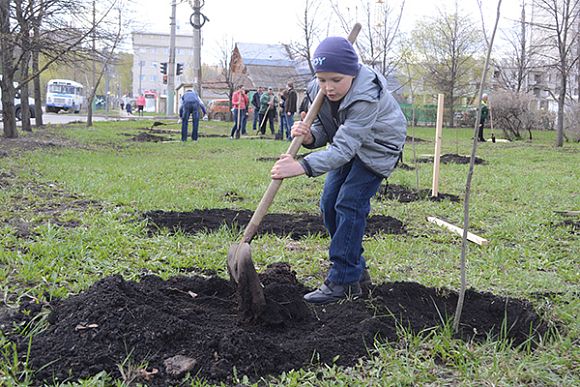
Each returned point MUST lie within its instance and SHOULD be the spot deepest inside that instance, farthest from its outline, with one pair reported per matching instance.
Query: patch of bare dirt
(148, 137)
(40, 138)
(155, 331)
(294, 225)
(406, 195)
(452, 158)
(36, 204)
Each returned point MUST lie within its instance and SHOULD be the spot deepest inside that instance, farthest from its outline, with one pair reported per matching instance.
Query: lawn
(72, 210)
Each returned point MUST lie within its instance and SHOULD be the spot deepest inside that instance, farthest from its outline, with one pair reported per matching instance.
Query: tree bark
(7, 45)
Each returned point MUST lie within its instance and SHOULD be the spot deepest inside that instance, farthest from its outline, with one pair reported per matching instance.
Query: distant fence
(426, 115)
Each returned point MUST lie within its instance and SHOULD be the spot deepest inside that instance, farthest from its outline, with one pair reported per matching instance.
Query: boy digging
(365, 131)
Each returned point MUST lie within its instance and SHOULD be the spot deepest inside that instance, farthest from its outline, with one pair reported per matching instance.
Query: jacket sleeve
(346, 142)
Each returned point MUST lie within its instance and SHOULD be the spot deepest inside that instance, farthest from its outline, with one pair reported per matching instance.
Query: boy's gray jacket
(371, 126)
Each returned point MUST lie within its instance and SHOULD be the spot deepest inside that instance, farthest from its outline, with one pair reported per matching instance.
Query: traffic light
(165, 79)
(164, 68)
(179, 69)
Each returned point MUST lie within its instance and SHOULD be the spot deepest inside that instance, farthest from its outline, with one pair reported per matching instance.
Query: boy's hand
(301, 129)
(285, 167)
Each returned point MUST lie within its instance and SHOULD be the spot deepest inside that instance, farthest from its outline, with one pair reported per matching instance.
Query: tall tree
(7, 45)
(379, 42)
(447, 46)
(557, 24)
(302, 50)
(513, 71)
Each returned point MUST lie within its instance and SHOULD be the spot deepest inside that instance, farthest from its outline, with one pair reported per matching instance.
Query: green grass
(512, 204)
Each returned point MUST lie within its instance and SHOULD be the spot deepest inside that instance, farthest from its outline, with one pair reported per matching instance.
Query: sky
(277, 21)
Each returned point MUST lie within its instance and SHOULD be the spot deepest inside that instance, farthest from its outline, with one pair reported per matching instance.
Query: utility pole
(171, 65)
(196, 22)
(196, 48)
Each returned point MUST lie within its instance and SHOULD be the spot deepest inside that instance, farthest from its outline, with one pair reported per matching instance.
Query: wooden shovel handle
(268, 198)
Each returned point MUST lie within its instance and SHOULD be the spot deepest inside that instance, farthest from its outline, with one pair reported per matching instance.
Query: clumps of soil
(416, 139)
(233, 196)
(405, 167)
(40, 138)
(210, 135)
(406, 195)
(574, 225)
(156, 331)
(452, 158)
(148, 137)
(41, 203)
(296, 226)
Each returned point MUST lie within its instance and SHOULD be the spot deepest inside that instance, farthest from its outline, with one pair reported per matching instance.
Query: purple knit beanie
(335, 55)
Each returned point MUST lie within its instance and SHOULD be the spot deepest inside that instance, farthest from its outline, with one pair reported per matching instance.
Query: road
(53, 118)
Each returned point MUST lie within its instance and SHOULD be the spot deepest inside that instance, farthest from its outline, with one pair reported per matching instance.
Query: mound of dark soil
(157, 331)
(294, 225)
(406, 195)
(148, 137)
(452, 158)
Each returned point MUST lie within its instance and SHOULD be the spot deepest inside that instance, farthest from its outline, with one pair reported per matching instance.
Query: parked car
(17, 107)
(218, 109)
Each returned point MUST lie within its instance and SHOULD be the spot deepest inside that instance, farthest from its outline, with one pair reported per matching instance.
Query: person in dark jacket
(190, 105)
(364, 130)
(256, 104)
(268, 103)
(483, 118)
(290, 108)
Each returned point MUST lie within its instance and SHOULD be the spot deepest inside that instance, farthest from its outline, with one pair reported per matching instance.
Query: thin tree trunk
(6, 47)
(463, 269)
(24, 23)
(35, 62)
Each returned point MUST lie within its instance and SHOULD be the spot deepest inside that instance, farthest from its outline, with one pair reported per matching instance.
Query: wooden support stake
(437, 157)
(471, 237)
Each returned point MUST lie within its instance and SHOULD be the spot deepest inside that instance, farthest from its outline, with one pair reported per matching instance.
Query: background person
(256, 105)
(268, 103)
(140, 104)
(365, 131)
(240, 104)
(290, 108)
(483, 118)
(191, 103)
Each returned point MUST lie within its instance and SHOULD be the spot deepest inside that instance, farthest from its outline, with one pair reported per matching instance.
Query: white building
(152, 49)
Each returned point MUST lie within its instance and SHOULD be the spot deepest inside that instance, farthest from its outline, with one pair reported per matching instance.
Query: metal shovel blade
(243, 273)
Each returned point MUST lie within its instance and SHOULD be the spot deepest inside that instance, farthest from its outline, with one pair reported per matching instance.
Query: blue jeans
(283, 122)
(289, 123)
(243, 119)
(345, 205)
(256, 121)
(188, 109)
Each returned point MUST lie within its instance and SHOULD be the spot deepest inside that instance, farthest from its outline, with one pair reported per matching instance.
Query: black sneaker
(331, 292)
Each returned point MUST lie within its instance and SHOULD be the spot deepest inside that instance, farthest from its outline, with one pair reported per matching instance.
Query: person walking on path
(240, 104)
(256, 105)
(129, 108)
(364, 130)
(483, 118)
(191, 104)
(268, 103)
(140, 104)
(290, 108)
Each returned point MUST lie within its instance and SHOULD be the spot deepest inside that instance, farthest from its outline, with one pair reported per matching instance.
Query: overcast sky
(276, 21)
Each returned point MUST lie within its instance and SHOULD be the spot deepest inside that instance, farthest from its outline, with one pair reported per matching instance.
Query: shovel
(240, 266)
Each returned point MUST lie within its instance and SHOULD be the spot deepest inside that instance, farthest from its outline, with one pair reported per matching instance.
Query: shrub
(572, 122)
(513, 114)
